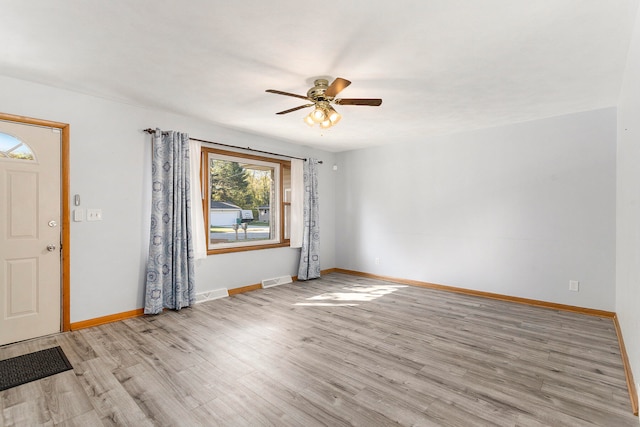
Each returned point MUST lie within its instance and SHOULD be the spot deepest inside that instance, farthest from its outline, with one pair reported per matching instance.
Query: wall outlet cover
(94, 214)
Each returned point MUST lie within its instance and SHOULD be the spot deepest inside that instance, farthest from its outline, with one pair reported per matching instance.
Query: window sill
(247, 248)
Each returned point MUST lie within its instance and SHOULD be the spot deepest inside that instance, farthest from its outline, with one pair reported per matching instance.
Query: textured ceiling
(440, 66)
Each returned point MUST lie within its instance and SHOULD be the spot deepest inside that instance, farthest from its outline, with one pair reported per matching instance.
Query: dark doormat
(33, 366)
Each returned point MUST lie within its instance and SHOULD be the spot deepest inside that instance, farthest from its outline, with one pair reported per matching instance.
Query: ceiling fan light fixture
(334, 116)
(321, 96)
(318, 115)
(309, 120)
(326, 124)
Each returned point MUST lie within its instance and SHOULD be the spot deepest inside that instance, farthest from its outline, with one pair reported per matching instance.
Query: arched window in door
(13, 148)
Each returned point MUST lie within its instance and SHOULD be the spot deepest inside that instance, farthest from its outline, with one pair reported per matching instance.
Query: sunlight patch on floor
(352, 295)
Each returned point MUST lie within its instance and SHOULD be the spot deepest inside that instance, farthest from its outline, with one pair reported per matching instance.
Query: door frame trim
(65, 262)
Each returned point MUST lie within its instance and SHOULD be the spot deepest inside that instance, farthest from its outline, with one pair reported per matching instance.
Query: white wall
(110, 169)
(518, 210)
(628, 206)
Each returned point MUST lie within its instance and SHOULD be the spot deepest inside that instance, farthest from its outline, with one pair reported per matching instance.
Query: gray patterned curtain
(170, 267)
(309, 267)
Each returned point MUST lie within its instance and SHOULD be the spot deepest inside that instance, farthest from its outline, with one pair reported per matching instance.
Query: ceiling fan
(321, 96)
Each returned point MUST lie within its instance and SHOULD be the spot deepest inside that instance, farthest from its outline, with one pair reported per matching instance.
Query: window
(12, 148)
(247, 201)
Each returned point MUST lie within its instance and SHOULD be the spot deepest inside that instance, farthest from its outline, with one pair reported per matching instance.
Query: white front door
(30, 231)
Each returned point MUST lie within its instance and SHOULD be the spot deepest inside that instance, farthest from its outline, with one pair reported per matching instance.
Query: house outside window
(245, 207)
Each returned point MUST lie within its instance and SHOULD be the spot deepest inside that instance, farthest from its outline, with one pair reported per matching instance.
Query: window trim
(206, 199)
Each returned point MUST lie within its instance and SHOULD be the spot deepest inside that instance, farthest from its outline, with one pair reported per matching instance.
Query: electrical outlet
(377, 261)
(574, 285)
(94, 214)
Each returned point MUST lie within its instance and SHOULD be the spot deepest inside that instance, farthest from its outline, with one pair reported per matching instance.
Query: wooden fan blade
(337, 86)
(358, 101)
(279, 92)
(295, 109)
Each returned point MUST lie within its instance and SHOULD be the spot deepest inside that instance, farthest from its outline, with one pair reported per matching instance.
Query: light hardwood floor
(341, 350)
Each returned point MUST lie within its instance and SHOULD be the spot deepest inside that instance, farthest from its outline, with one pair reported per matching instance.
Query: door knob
(52, 223)
(51, 248)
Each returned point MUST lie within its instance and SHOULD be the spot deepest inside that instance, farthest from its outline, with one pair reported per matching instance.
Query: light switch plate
(78, 215)
(574, 285)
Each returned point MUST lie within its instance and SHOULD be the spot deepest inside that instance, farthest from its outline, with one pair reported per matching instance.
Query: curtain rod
(149, 130)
